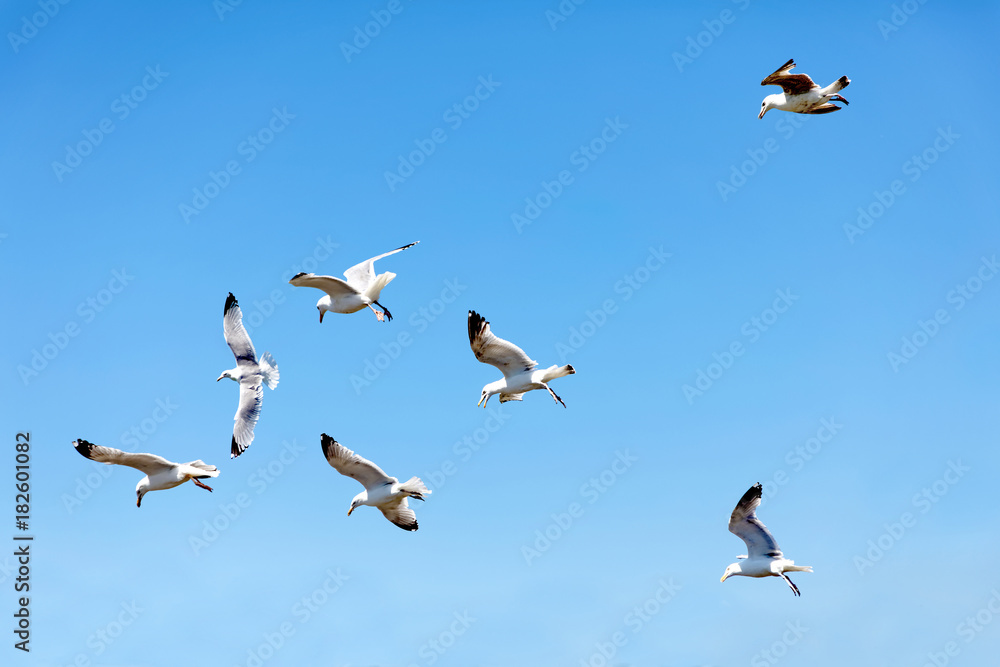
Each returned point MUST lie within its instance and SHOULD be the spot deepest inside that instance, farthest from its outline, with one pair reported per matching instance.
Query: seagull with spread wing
(519, 371)
(381, 491)
(250, 373)
(361, 289)
(160, 473)
(764, 557)
(801, 94)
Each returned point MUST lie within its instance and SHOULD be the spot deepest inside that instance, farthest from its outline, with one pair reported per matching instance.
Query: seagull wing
(236, 334)
(495, 351)
(744, 524)
(823, 108)
(350, 464)
(150, 464)
(792, 84)
(247, 414)
(400, 514)
(335, 287)
(360, 276)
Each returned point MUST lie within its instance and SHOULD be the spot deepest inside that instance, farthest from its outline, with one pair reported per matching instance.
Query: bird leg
(197, 483)
(839, 98)
(795, 589)
(555, 396)
(378, 313)
(388, 315)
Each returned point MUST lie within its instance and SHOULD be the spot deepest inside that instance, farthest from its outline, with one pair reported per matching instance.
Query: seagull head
(140, 490)
(225, 374)
(770, 102)
(484, 399)
(732, 569)
(324, 304)
(355, 504)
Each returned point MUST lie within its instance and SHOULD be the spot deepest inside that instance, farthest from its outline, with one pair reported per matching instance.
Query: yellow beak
(349, 511)
(723, 577)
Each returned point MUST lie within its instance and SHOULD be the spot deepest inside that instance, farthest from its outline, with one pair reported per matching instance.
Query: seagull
(801, 94)
(362, 287)
(519, 374)
(381, 491)
(160, 473)
(764, 557)
(249, 372)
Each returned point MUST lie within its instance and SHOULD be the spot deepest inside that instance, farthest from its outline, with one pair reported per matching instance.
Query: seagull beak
(723, 577)
(349, 511)
(762, 112)
(138, 501)
(321, 316)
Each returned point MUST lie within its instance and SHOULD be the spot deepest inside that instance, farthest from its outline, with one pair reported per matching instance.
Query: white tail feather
(414, 487)
(553, 372)
(268, 370)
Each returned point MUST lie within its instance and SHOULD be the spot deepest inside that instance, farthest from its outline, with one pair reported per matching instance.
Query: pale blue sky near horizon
(802, 301)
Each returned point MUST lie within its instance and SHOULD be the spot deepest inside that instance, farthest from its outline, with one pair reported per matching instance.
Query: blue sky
(805, 302)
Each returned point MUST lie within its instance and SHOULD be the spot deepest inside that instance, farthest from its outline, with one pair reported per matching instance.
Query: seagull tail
(799, 568)
(210, 471)
(553, 372)
(269, 370)
(415, 488)
(377, 285)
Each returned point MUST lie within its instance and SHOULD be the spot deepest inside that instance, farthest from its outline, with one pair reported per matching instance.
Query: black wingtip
(297, 275)
(83, 447)
(230, 303)
(328, 443)
(753, 493)
(236, 449)
(476, 323)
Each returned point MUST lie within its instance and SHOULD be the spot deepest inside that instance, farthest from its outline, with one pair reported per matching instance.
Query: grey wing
(400, 514)
(361, 275)
(744, 524)
(351, 465)
(792, 84)
(236, 334)
(493, 350)
(147, 463)
(247, 414)
(335, 287)
(823, 108)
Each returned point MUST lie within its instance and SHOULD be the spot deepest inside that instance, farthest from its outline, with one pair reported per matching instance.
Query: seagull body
(361, 289)
(520, 374)
(764, 557)
(249, 373)
(381, 491)
(801, 94)
(160, 473)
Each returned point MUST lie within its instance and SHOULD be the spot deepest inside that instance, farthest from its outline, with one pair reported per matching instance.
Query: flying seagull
(764, 557)
(362, 287)
(249, 372)
(519, 374)
(381, 491)
(801, 94)
(160, 473)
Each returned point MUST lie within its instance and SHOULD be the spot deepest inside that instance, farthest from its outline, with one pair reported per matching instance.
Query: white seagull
(381, 491)
(361, 289)
(519, 374)
(801, 94)
(764, 557)
(160, 473)
(249, 372)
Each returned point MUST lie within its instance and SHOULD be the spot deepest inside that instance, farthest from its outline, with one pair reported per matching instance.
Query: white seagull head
(733, 568)
(489, 390)
(140, 490)
(225, 374)
(324, 304)
(358, 501)
(770, 102)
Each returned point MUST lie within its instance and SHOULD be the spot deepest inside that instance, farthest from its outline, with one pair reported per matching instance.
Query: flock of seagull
(362, 289)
